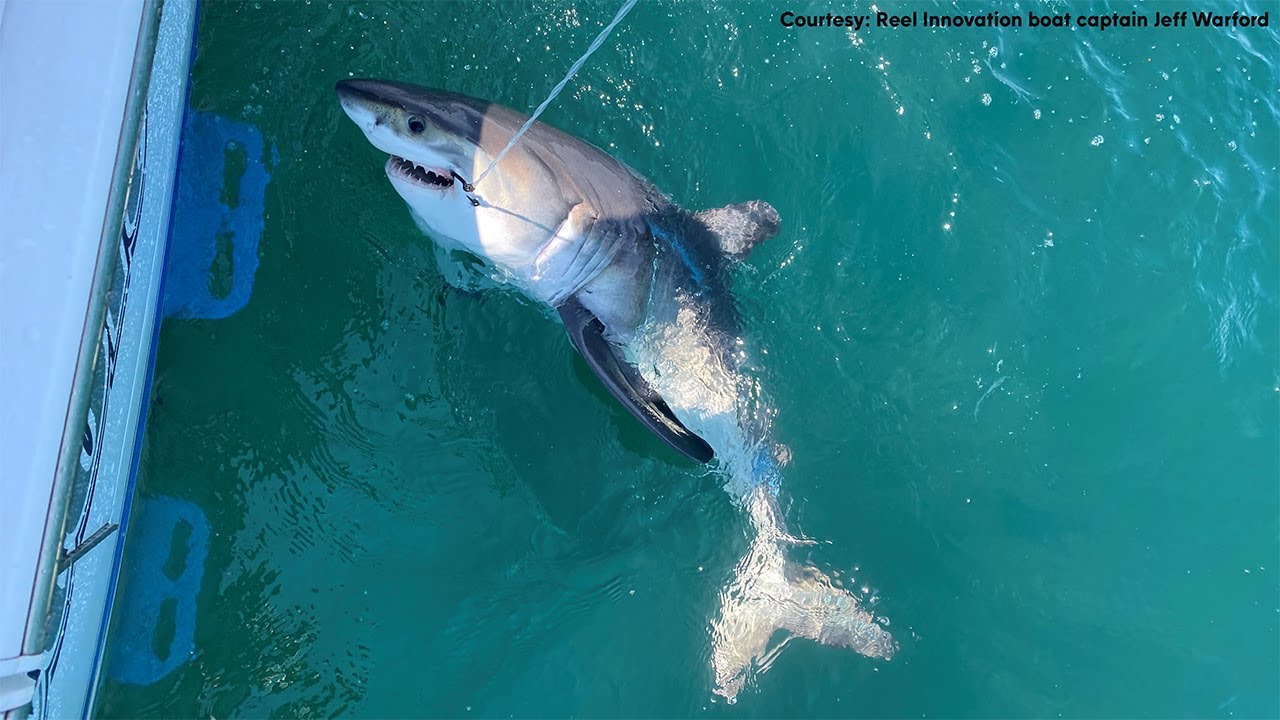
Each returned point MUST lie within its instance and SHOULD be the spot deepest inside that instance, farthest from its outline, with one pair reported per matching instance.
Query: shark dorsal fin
(741, 226)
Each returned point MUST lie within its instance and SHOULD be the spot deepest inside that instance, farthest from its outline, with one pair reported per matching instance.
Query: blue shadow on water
(157, 609)
(217, 218)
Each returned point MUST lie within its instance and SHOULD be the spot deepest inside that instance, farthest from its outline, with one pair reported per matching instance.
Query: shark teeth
(419, 173)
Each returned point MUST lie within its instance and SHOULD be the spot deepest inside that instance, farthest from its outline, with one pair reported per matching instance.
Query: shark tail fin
(741, 226)
(769, 594)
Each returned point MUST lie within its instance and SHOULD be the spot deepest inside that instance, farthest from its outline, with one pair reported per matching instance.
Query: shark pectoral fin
(742, 226)
(626, 384)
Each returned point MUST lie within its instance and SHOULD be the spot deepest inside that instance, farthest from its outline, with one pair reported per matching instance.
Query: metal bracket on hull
(67, 559)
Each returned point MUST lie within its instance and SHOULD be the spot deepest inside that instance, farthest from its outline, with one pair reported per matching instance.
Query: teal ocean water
(1020, 328)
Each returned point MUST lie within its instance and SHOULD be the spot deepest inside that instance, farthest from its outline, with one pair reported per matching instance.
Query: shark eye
(416, 124)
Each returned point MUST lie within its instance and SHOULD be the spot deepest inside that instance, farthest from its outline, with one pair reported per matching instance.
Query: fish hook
(468, 187)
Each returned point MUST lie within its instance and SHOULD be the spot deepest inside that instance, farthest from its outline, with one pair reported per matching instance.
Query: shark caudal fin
(768, 594)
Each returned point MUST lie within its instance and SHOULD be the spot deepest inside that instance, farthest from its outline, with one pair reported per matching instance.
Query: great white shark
(641, 287)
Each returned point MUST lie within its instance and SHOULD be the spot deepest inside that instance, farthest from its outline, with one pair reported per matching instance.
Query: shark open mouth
(419, 174)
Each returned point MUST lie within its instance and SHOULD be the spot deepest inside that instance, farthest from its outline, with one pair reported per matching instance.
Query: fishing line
(573, 70)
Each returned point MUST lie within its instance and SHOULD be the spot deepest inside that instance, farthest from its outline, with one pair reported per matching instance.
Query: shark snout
(359, 103)
(358, 92)
(361, 87)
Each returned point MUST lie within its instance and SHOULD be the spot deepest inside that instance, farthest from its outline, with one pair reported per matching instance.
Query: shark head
(433, 138)
(429, 134)
(549, 217)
